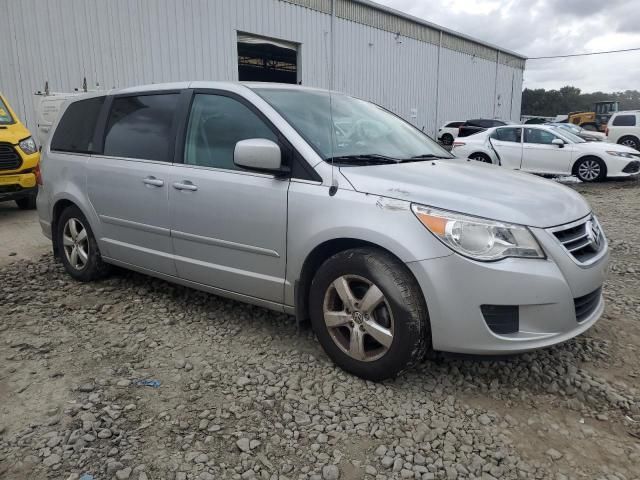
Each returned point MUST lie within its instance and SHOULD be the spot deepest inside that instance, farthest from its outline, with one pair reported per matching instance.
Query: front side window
(535, 135)
(142, 127)
(76, 128)
(5, 116)
(624, 121)
(216, 124)
(340, 126)
(507, 134)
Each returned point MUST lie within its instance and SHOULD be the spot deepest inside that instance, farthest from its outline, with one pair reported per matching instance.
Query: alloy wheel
(75, 241)
(589, 170)
(358, 318)
(481, 158)
(630, 142)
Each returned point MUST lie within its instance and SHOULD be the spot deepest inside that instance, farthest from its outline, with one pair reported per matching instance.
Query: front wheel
(447, 139)
(369, 313)
(590, 169)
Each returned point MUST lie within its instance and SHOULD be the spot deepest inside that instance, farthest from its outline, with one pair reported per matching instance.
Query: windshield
(5, 116)
(362, 131)
(570, 127)
(568, 135)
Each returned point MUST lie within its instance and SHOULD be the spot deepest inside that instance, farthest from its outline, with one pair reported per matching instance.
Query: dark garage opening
(265, 60)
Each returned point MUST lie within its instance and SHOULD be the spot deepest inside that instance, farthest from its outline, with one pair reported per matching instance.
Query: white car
(624, 128)
(449, 132)
(550, 151)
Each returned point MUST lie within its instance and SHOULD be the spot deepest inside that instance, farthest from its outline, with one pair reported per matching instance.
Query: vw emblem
(593, 235)
(357, 317)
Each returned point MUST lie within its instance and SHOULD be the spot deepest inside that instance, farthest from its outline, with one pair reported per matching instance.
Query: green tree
(548, 103)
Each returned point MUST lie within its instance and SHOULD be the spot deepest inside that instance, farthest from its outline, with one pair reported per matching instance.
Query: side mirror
(258, 154)
(558, 141)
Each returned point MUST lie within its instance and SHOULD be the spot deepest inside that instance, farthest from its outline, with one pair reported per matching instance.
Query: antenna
(84, 84)
(46, 87)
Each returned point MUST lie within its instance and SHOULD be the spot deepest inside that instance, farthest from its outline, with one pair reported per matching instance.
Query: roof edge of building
(420, 21)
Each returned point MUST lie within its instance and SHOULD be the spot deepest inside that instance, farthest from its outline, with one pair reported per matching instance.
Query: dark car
(478, 125)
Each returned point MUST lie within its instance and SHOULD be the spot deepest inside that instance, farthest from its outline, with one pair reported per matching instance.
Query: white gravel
(244, 395)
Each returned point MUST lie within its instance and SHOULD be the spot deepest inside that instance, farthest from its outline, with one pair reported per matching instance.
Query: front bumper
(545, 292)
(17, 186)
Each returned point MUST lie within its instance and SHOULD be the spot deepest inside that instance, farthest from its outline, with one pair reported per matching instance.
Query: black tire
(630, 141)
(26, 203)
(447, 139)
(94, 268)
(402, 299)
(590, 169)
(480, 157)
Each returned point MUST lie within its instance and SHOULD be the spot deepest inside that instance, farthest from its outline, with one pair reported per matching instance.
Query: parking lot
(241, 393)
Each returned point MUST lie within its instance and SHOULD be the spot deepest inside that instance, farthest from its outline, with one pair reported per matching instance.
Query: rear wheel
(368, 313)
(447, 139)
(590, 169)
(26, 203)
(480, 157)
(78, 247)
(630, 141)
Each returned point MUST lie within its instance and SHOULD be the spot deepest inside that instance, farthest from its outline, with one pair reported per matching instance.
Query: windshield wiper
(366, 159)
(426, 156)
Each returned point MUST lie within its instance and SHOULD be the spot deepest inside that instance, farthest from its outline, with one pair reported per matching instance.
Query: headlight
(28, 146)
(621, 154)
(479, 238)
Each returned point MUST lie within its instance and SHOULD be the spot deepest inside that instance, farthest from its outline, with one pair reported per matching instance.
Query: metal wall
(118, 43)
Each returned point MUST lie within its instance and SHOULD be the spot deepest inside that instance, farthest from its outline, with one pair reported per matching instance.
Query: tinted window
(216, 124)
(533, 135)
(77, 125)
(454, 125)
(141, 127)
(624, 121)
(497, 123)
(508, 134)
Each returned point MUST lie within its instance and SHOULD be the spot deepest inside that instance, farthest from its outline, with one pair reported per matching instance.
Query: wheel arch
(574, 168)
(317, 257)
(59, 206)
(631, 136)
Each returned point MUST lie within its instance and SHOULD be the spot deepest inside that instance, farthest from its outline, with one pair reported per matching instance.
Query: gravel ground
(243, 394)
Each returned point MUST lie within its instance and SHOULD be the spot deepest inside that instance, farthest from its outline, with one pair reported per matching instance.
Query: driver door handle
(185, 185)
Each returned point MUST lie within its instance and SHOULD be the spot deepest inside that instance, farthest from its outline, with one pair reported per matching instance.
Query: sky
(549, 27)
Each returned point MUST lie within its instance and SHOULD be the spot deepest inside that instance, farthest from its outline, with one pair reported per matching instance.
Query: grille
(583, 240)
(9, 158)
(501, 319)
(587, 304)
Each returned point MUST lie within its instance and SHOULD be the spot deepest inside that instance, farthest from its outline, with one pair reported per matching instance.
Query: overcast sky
(549, 27)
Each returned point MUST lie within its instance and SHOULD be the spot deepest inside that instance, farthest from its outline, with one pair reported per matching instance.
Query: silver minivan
(326, 207)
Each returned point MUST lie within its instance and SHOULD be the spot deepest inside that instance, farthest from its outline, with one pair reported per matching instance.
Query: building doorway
(265, 60)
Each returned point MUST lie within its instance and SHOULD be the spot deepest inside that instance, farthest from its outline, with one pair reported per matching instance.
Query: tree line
(548, 103)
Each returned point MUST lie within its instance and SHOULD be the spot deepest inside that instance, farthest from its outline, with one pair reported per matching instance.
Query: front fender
(382, 221)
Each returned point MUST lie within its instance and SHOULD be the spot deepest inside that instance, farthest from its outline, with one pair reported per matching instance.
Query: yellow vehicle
(597, 119)
(19, 160)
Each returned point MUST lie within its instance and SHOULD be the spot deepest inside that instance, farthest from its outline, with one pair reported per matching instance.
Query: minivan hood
(473, 188)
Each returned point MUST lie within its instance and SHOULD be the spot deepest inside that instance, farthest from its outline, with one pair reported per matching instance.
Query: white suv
(624, 128)
(449, 132)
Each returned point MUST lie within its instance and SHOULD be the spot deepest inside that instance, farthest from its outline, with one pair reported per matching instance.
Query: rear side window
(508, 134)
(142, 127)
(454, 125)
(77, 126)
(624, 121)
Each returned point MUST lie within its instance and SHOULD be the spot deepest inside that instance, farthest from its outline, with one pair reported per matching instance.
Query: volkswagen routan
(326, 207)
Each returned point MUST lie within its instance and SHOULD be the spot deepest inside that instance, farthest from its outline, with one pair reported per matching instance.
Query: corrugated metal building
(423, 72)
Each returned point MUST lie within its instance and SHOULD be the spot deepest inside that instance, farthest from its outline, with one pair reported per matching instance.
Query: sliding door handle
(186, 185)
